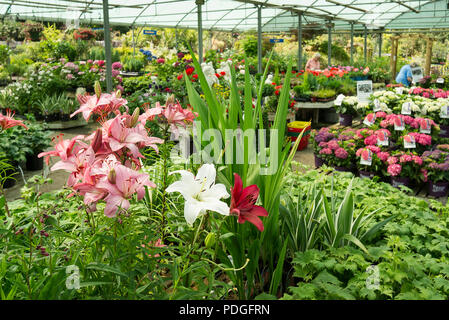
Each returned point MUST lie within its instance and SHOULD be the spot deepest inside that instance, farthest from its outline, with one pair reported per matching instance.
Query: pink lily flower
(122, 184)
(7, 121)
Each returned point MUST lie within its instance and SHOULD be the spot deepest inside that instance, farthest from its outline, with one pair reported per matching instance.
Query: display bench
(315, 107)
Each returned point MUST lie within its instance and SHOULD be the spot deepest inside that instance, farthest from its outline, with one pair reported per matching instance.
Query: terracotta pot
(438, 189)
(401, 181)
(318, 161)
(345, 119)
(366, 174)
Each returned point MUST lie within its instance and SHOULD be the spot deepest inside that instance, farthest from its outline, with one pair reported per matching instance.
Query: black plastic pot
(33, 163)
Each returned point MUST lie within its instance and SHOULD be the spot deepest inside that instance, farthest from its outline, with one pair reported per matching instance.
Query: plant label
(399, 90)
(406, 108)
(364, 90)
(440, 80)
(376, 105)
(339, 99)
(409, 142)
(370, 119)
(399, 124)
(425, 126)
(417, 74)
(382, 139)
(444, 112)
(367, 157)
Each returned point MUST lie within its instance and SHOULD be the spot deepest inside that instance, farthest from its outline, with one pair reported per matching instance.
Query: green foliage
(133, 64)
(410, 252)
(338, 53)
(250, 46)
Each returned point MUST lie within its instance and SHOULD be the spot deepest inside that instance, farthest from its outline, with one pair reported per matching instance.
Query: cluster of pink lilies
(105, 165)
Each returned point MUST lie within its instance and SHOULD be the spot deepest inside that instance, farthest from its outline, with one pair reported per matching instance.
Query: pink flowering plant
(105, 166)
(378, 160)
(406, 164)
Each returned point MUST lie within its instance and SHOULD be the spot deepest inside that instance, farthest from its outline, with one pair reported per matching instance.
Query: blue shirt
(404, 73)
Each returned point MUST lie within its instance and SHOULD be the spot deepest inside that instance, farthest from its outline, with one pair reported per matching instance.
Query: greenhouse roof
(240, 15)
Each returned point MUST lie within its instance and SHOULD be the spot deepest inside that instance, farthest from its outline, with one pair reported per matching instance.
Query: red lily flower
(242, 203)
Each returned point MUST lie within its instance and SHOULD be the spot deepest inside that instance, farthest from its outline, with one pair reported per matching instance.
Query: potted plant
(405, 169)
(323, 95)
(13, 150)
(301, 94)
(8, 172)
(36, 139)
(319, 141)
(339, 154)
(346, 110)
(33, 30)
(370, 163)
(436, 165)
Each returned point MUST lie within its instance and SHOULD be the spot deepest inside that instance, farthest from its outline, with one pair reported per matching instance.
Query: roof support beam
(259, 38)
(199, 4)
(299, 42)
(406, 5)
(347, 6)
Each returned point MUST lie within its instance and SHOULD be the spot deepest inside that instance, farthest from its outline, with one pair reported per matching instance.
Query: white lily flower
(200, 193)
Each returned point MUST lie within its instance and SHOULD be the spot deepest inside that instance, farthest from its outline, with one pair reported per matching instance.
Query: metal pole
(380, 44)
(176, 39)
(365, 46)
(199, 3)
(352, 43)
(329, 43)
(299, 42)
(259, 39)
(134, 44)
(107, 45)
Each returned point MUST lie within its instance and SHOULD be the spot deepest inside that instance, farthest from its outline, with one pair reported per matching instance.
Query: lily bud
(170, 100)
(111, 176)
(135, 118)
(97, 141)
(118, 94)
(210, 240)
(97, 87)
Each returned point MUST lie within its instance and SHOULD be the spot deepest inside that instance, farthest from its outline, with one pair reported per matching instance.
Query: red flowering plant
(84, 34)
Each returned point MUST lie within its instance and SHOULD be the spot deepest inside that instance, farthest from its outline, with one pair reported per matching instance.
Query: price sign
(367, 157)
(409, 142)
(406, 108)
(376, 105)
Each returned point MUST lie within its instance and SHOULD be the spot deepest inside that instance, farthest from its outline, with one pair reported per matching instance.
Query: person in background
(405, 74)
(314, 62)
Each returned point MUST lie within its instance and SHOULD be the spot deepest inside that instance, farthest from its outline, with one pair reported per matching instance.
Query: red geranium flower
(276, 92)
(190, 70)
(179, 77)
(242, 203)
(223, 73)
(195, 76)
